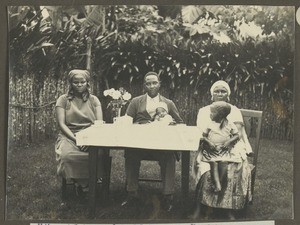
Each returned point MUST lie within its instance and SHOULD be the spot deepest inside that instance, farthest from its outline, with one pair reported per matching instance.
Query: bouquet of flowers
(119, 99)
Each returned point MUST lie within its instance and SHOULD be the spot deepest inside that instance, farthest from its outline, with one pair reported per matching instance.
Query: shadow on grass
(34, 190)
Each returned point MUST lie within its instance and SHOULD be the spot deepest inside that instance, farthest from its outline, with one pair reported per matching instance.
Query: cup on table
(99, 122)
(123, 120)
(181, 124)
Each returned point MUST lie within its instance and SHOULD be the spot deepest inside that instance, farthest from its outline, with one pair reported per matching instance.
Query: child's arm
(210, 146)
(205, 139)
(232, 140)
(168, 119)
(235, 136)
(155, 117)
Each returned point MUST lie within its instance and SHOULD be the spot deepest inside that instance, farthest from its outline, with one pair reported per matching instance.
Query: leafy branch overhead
(251, 47)
(203, 47)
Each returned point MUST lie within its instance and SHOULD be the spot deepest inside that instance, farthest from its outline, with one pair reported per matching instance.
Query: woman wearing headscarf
(236, 189)
(75, 110)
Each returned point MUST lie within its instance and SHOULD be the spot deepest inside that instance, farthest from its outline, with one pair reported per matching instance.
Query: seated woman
(217, 138)
(235, 187)
(76, 110)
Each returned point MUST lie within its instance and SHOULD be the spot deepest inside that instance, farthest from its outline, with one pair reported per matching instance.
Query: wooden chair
(69, 182)
(184, 158)
(155, 179)
(148, 179)
(253, 123)
(104, 182)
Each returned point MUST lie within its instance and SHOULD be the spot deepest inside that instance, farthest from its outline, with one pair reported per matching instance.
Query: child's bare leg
(222, 171)
(215, 174)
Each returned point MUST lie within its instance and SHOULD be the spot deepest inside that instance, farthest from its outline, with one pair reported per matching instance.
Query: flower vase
(117, 114)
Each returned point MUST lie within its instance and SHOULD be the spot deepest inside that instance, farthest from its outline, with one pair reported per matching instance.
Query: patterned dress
(236, 190)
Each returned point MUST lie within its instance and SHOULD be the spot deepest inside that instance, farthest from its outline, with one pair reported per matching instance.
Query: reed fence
(31, 116)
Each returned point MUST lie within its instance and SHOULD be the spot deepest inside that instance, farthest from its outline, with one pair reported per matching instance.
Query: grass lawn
(34, 191)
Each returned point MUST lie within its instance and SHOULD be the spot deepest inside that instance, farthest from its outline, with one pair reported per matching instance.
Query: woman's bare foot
(195, 214)
(208, 213)
(230, 215)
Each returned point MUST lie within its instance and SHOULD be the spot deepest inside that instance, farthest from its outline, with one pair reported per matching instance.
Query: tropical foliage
(251, 47)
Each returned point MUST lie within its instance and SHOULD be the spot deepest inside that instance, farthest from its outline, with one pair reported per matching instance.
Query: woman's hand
(207, 143)
(250, 154)
(206, 154)
(219, 148)
(208, 147)
(226, 144)
(60, 117)
(213, 150)
(83, 148)
(224, 150)
(225, 147)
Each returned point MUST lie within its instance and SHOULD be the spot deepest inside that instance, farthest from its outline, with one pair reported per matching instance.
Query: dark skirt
(71, 162)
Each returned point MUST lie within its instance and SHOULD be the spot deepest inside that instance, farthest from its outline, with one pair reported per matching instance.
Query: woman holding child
(221, 169)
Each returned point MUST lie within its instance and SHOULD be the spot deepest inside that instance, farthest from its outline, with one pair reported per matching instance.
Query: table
(148, 136)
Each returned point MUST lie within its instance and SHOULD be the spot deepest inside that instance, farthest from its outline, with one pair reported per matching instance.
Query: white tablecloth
(146, 136)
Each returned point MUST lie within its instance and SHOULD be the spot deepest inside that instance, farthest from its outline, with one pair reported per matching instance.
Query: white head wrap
(220, 83)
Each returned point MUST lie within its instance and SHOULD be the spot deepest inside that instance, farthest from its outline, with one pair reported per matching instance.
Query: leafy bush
(251, 47)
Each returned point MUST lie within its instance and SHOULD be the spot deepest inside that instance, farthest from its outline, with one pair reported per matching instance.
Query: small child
(162, 115)
(218, 137)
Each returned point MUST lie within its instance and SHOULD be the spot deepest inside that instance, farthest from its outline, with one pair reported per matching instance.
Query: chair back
(253, 123)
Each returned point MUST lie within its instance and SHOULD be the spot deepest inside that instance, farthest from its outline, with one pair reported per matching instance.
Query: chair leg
(185, 167)
(243, 213)
(106, 178)
(64, 189)
(253, 181)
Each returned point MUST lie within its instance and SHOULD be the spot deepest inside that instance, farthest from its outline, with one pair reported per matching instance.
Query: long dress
(71, 162)
(236, 190)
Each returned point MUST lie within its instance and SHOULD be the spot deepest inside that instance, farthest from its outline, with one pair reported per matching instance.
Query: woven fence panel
(32, 112)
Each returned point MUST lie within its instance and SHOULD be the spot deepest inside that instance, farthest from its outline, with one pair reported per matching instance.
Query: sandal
(99, 180)
(85, 189)
(78, 190)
